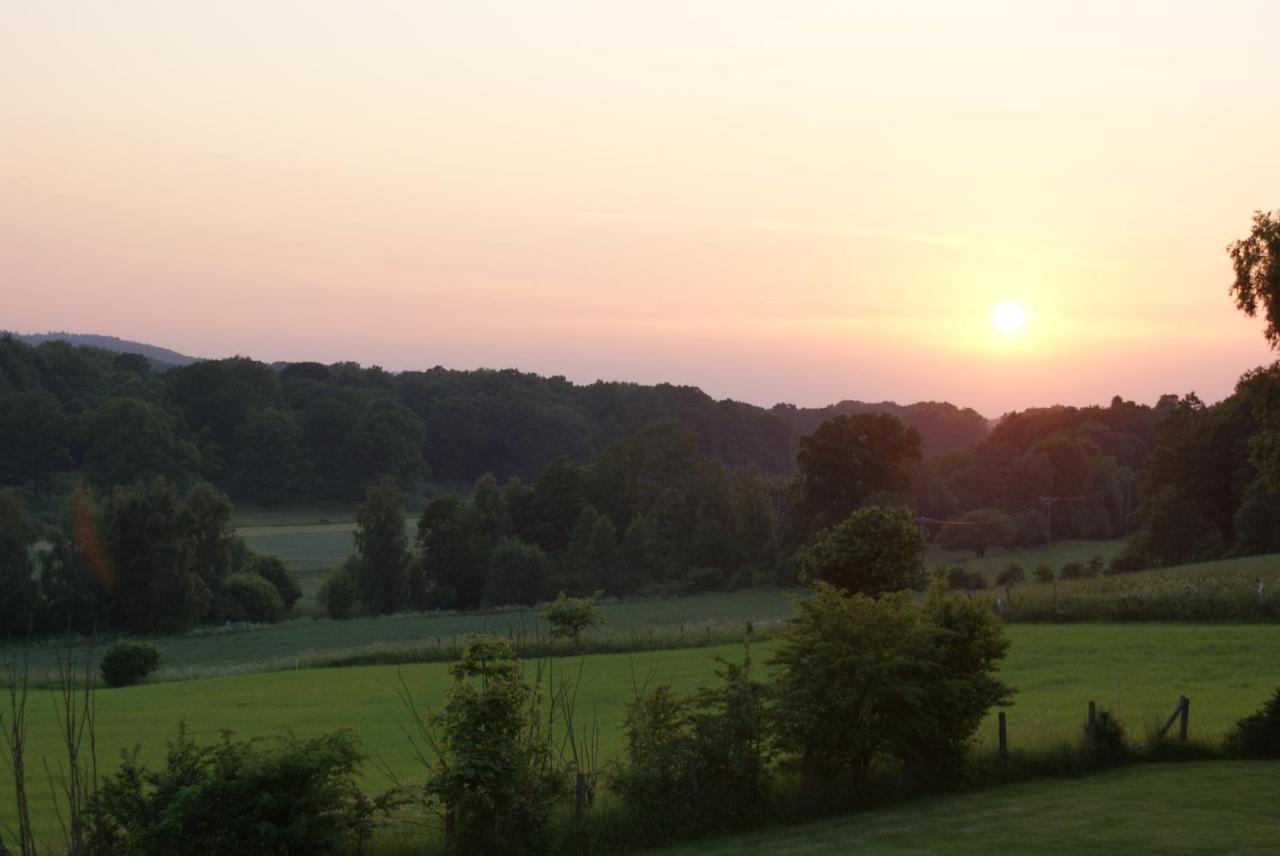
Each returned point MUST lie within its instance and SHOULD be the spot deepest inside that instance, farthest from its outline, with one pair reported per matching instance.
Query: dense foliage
(283, 796)
(127, 662)
(274, 434)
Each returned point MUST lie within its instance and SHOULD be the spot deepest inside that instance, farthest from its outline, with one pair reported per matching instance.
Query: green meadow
(1211, 808)
(1140, 670)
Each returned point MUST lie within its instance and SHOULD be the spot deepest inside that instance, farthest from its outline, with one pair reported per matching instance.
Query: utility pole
(1048, 514)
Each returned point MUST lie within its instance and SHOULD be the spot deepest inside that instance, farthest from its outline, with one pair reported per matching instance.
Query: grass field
(280, 646)
(1227, 671)
(1056, 555)
(1224, 574)
(1210, 808)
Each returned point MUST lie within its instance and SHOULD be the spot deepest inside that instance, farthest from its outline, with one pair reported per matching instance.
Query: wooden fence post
(1092, 723)
(1182, 724)
(1004, 735)
(581, 804)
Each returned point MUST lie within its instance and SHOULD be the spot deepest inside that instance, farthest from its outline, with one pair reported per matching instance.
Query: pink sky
(774, 201)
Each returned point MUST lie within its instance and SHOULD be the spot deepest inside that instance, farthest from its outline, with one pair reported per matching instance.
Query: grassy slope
(1229, 574)
(1227, 671)
(1220, 807)
(1055, 555)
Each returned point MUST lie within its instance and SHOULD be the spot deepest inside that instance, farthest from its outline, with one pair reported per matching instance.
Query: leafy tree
(18, 535)
(1256, 260)
(339, 592)
(273, 570)
(382, 547)
(1012, 575)
(859, 678)
(127, 440)
(1045, 573)
(269, 466)
(153, 586)
(34, 436)
(491, 763)
(979, 530)
(517, 574)
(591, 559)
(849, 460)
(569, 617)
(207, 521)
(454, 554)
(1258, 521)
(387, 442)
(874, 551)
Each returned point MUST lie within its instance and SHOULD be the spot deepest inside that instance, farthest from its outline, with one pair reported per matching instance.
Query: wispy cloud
(958, 243)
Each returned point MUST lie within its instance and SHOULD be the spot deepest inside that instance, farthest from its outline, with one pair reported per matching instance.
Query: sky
(787, 201)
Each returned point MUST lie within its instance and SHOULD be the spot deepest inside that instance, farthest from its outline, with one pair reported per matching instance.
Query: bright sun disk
(1009, 317)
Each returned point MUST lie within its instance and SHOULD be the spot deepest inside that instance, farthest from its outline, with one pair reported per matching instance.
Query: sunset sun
(1009, 317)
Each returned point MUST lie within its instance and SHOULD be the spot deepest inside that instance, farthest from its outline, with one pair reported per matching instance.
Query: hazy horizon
(770, 203)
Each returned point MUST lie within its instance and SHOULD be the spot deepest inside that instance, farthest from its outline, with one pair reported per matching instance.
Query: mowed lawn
(1211, 808)
(1227, 671)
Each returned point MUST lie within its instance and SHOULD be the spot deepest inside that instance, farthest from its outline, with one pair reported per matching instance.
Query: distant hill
(157, 356)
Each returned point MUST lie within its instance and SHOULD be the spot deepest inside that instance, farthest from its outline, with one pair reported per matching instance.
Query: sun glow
(1009, 317)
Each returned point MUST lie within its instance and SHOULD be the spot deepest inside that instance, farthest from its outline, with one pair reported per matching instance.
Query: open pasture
(1209, 808)
(997, 559)
(289, 645)
(1227, 671)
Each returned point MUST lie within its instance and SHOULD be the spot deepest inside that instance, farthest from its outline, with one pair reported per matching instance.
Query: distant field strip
(1209, 808)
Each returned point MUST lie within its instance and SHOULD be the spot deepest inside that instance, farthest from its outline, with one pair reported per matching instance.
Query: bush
(1072, 571)
(1045, 574)
(570, 616)
(1012, 575)
(1095, 566)
(282, 796)
(958, 579)
(1106, 745)
(1258, 735)
(339, 593)
(249, 597)
(274, 571)
(489, 758)
(125, 663)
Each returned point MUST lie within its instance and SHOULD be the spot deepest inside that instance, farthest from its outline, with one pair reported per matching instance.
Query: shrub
(1044, 573)
(857, 679)
(1072, 571)
(1094, 566)
(958, 579)
(249, 597)
(489, 756)
(339, 593)
(1106, 743)
(570, 616)
(274, 571)
(1012, 575)
(1258, 735)
(283, 796)
(125, 663)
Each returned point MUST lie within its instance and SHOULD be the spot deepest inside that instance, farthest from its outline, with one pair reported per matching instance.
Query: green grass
(1227, 671)
(1226, 575)
(1211, 808)
(214, 651)
(1056, 555)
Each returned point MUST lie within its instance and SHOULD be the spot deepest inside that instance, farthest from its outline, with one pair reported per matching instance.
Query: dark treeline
(305, 431)
(1082, 461)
